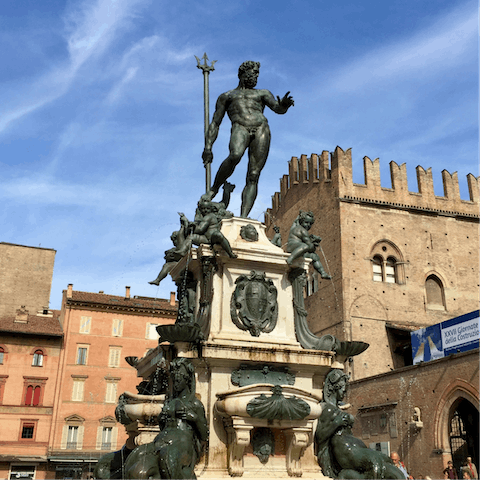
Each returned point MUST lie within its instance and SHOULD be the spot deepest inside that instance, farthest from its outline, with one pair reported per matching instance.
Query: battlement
(335, 170)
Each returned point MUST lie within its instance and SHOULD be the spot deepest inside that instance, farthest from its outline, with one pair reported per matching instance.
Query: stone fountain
(235, 387)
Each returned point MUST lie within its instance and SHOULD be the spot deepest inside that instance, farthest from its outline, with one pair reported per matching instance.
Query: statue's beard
(249, 81)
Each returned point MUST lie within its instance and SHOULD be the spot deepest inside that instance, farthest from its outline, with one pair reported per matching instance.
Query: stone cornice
(410, 208)
(147, 311)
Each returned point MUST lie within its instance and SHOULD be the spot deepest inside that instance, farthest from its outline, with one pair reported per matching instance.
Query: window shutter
(81, 429)
(85, 324)
(117, 329)
(114, 437)
(98, 445)
(77, 391)
(81, 386)
(111, 393)
(114, 357)
(36, 396)
(28, 396)
(63, 442)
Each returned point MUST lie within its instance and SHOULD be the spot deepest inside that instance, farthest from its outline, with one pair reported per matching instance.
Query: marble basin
(142, 407)
(234, 402)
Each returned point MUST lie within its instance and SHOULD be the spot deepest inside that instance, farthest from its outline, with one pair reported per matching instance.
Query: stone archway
(463, 432)
(456, 423)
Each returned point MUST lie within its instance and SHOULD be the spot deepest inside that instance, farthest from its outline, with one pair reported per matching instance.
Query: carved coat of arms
(253, 305)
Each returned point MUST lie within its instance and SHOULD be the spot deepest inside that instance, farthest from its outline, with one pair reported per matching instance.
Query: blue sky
(101, 125)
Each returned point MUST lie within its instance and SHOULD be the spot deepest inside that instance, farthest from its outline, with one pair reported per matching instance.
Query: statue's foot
(326, 276)
(228, 187)
(289, 260)
(155, 282)
(209, 195)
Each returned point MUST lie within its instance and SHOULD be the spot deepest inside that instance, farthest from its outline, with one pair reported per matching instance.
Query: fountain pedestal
(261, 389)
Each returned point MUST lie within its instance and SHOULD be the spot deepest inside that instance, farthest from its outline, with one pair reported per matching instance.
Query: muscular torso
(246, 106)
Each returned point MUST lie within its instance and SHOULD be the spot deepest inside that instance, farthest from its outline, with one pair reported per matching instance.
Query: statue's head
(205, 205)
(276, 229)
(183, 374)
(306, 219)
(335, 386)
(248, 73)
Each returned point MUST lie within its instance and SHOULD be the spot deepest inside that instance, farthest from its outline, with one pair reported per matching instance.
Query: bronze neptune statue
(244, 106)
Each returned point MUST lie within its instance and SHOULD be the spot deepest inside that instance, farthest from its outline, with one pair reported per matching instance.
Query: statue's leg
(239, 140)
(227, 191)
(220, 239)
(317, 265)
(167, 266)
(185, 246)
(300, 251)
(349, 473)
(257, 157)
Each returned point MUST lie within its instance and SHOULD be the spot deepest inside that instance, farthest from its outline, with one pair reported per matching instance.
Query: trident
(206, 71)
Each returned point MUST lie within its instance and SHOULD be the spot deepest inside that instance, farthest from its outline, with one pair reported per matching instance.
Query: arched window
(387, 263)
(434, 292)
(37, 358)
(33, 390)
(33, 395)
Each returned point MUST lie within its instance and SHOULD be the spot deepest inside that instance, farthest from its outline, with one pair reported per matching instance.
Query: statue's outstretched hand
(286, 101)
(207, 156)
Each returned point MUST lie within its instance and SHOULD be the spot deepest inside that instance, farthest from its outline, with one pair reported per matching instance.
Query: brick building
(400, 260)
(30, 347)
(25, 278)
(427, 412)
(31, 340)
(100, 331)
(61, 372)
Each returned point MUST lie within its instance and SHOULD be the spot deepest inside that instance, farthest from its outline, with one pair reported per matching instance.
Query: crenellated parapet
(335, 171)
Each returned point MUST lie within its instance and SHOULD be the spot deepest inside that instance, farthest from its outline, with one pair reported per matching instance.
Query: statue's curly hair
(249, 64)
(304, 215)
(333, 381)
(179, 362)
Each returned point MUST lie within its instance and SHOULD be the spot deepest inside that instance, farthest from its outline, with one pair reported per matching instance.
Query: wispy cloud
(448, 43)
(91, 26)
(116, 91)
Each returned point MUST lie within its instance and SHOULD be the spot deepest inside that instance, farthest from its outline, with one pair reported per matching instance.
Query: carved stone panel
(253, 305)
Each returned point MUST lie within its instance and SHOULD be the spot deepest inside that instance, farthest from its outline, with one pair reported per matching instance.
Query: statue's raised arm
(280, 105)
(244, 106)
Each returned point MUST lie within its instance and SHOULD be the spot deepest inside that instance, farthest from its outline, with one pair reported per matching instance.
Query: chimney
(70, 290)
(172, 299)
(127, 293)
